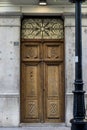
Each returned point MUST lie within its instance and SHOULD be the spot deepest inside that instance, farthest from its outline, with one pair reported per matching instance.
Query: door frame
(43, 40)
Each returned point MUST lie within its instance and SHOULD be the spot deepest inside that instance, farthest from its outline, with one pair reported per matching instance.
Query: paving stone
(37, 128)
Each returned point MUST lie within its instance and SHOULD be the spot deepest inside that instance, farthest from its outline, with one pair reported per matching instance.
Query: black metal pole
(79, 106)
(78, 122)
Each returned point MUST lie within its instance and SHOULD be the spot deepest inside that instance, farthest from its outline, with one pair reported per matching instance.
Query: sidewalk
(37, 128)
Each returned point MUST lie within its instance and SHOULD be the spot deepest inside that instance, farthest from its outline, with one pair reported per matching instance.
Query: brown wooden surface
(42, 81)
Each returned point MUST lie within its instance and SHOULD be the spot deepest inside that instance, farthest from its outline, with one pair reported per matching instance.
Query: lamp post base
(78, 125)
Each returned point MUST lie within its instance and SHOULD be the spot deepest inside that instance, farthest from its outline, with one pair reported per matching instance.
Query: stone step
(37, 128)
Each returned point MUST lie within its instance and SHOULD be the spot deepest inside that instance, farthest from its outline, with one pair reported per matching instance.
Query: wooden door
(42, 91)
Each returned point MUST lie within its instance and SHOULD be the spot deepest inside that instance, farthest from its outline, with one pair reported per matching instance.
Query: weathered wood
(42, 81)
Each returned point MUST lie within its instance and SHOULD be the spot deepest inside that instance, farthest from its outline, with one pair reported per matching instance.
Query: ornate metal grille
(42, 29)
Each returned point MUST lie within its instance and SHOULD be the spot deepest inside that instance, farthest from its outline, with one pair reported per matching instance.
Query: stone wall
(10, 67)
(70, 62)
(9, 70)
(69, 65)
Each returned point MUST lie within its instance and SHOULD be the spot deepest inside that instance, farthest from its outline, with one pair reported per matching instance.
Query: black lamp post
(78, 122)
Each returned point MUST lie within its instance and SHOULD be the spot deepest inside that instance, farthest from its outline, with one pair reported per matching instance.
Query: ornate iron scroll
(42, 28)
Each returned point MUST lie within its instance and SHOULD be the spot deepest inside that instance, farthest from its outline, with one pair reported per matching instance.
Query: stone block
(69, 58)
(9, 111)
(9, 59)
(69, 109)
(12, 21)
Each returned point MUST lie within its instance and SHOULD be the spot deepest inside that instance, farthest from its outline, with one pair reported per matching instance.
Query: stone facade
(10, 63)
(70, 62)
(9, 71)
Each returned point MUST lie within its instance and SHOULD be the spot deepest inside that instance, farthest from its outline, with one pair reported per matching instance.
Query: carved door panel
(42, 93)
(54, 82)
(31, 82)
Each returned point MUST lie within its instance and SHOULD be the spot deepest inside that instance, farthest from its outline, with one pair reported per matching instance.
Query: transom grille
(42, 28)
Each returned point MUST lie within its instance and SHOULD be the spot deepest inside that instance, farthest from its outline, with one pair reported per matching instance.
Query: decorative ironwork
(42, 29)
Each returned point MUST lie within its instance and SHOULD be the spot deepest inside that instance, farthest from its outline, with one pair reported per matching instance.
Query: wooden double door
(42, 81)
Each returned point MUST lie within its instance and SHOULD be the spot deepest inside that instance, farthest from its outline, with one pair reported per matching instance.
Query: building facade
(37, 62)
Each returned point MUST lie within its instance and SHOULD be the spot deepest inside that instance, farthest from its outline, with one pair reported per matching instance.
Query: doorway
(42, 71)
